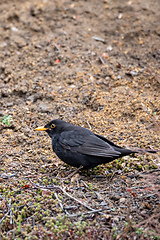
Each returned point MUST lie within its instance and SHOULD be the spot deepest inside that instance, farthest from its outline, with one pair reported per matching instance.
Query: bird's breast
(54, 142)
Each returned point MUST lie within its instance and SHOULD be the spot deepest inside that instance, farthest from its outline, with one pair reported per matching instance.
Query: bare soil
(95, 64)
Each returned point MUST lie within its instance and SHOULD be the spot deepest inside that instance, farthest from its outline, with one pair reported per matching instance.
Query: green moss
(90, 186)
(152, 166)
(6, 119)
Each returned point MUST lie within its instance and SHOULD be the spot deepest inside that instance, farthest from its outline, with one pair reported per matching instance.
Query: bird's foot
(70, 175)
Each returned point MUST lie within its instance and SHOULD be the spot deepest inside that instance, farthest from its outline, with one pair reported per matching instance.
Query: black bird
(78, 146)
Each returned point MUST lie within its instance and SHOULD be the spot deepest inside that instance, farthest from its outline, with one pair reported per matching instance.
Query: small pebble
(115, 197)
(122, 200)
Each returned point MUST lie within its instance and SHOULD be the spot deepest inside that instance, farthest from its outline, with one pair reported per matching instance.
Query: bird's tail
(142, 150)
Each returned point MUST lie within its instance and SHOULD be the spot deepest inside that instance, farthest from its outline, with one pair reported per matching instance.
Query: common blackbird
(78, 146)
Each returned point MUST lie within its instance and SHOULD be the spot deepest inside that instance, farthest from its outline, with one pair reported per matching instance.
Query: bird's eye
(53, 125)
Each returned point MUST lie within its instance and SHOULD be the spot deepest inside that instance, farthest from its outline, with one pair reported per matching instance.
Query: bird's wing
(88, 144)
(108, 141)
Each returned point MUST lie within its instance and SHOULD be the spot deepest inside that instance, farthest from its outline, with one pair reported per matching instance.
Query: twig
(85, 184)
(74, 215)
(75, 199)
(89, 125)
(35, 176)
(145, 186)
(61, 205)
(150, 171)
(98, 176)
(62, 189)
(89, 212)
(99, 39)
(56, 46)
(5, 176)
(99, 196)
(147, 196)
(9, 211)
(40, 175)
(4, 216)
(148, 220)
(102, 61)
(44, 188)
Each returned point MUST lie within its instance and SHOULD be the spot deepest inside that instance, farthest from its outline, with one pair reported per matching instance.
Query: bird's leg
(70, 175)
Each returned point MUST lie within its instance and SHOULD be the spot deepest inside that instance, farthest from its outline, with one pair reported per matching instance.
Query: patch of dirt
(95, 64)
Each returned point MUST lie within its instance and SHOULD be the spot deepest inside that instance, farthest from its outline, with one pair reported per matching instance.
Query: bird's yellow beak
(41, 129)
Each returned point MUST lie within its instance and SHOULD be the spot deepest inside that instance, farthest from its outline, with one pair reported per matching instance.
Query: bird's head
(53, 127)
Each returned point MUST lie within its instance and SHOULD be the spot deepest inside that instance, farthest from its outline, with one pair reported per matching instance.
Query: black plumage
(78, 146)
